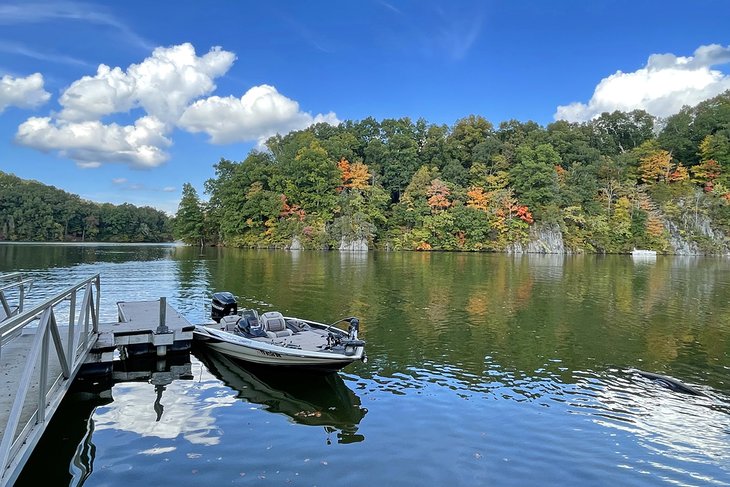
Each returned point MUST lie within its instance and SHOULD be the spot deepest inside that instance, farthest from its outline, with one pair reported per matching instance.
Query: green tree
(533, 175)
(189, 217)
(311, 180)
(400, 161)
(31, 211)
(619, 132)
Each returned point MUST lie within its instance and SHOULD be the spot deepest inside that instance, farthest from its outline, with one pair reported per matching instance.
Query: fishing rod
(352, 329)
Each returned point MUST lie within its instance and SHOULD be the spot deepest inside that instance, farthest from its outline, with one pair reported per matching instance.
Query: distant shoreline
(97, 244)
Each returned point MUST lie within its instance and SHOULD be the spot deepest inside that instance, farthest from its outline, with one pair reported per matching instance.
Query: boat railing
(12, 294)
(43, 372)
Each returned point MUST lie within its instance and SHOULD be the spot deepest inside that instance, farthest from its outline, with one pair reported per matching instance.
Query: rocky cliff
(544, 239)
(356, 245)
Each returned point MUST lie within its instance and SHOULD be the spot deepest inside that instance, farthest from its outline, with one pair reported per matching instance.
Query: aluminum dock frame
(43, 349)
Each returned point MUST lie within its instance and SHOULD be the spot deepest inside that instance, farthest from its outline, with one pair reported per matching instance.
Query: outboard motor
(224, 304)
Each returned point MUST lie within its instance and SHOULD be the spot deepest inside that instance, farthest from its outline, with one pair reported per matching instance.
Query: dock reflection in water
(67, 451)
(313, 400)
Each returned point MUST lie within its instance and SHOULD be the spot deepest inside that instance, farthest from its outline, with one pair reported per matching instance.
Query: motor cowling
(223, 304)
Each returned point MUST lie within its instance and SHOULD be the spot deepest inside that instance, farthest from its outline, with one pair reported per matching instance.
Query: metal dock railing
(10, 283)
(39, 364)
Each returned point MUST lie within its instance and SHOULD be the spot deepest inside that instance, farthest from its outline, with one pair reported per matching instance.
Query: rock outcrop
(295, 244)
(356, 245)
(544, 239)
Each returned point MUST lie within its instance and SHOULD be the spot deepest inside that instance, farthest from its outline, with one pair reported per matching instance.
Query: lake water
(483, 369)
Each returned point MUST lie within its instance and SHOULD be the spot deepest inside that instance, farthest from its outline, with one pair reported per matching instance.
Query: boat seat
(274, 325)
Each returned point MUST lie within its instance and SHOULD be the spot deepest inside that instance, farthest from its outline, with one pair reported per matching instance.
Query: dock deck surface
(13, 358)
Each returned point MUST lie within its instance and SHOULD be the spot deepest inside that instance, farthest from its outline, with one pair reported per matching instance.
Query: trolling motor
(352, 342)
(353, 328)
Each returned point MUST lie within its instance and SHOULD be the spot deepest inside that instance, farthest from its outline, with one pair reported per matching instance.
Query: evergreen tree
(189, 217)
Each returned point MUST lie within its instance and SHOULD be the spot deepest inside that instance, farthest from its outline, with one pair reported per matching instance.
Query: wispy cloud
(457, 33)
(21, 50)
(435, 29)
(310, 36)
(125, 185)
(40, 12)
(391, 7)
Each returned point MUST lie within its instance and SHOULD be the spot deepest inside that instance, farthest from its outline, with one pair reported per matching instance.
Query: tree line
(31, 211)
(610, 184)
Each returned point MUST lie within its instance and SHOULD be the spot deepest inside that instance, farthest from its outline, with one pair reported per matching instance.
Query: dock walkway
(43, 349)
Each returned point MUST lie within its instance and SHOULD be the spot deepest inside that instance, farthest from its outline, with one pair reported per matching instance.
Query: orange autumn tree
(655, 166)
(478, 198)
(344, 167)
(679, 174)
(509, 208)
(354, 176)
(523, 213)
(360, 176)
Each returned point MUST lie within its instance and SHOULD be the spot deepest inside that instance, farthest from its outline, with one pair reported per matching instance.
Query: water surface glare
(483, 370)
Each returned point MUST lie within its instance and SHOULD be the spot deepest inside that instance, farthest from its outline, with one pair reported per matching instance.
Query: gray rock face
(295, 244)
(544, 239)
(680, 245)
(357, 245)
(698, 224)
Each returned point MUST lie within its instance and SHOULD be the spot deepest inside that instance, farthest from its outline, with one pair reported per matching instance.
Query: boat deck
(313, 340)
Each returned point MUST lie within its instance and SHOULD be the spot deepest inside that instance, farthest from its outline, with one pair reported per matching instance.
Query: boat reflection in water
(309, 399)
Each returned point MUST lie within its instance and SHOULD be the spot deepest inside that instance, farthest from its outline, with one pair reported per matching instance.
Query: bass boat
(274, 340)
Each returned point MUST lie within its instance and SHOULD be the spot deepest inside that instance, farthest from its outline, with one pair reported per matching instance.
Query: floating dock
(43, 349)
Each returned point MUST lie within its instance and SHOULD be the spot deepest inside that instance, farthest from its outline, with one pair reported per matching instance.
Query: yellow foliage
(655, 166)
(679, 174)
(654, 226)
(478, 198)
(706, 147)
(707, 171)
(359, 176)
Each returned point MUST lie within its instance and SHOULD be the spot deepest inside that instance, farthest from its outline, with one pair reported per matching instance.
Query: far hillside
(32, 211)
(618, 182)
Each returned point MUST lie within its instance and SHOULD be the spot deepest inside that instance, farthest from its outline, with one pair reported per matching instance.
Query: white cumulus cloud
(260, 113)
(25, 92)
(163, 84)
(662, 87)
(92, 143)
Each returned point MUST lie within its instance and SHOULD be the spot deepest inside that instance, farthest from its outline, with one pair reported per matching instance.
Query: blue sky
(126, 101)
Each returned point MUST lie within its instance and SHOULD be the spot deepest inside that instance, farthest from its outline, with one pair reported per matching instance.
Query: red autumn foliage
(524, 214)
(290, 210)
